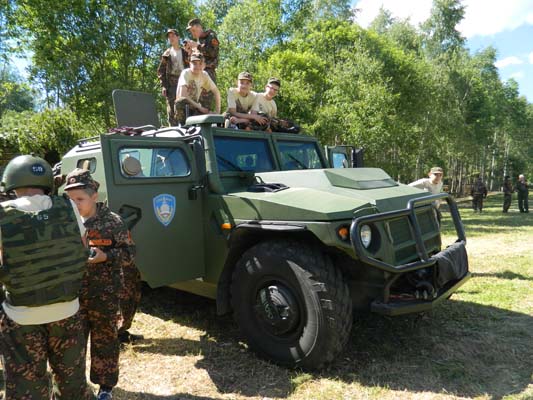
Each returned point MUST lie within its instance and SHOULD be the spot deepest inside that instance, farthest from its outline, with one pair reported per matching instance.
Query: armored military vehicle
(261, 223)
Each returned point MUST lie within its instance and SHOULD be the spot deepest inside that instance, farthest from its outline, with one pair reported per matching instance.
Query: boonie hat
(79, 179)
(436, 170)
(192, 22)
(246, 75)
(174, 31)
(273, 80)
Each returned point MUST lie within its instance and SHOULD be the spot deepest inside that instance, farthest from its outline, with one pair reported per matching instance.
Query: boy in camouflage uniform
(42, 258)
(507, 193)
(478, 193)
(207, 44)
(174, 60)
(111, 250)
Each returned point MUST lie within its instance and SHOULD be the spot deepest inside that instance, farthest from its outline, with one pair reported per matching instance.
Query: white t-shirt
(240, 103)
(53, 312)
(177, 61)
(195, 83)
(266, 106)
(425, 184)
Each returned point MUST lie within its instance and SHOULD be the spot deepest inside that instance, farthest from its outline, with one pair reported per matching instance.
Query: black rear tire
(291, 303)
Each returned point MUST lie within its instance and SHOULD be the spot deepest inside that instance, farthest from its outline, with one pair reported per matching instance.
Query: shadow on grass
(462, 348)
(509, 275)
(124, 394)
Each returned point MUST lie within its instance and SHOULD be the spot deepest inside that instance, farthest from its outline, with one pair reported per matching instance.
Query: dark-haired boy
(111, 250)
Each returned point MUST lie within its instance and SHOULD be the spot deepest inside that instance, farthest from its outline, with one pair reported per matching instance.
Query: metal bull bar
(410, 212)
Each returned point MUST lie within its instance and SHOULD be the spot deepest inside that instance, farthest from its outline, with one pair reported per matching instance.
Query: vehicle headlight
(366, 235)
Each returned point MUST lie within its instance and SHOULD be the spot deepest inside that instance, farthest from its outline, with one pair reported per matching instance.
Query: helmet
(27, 171)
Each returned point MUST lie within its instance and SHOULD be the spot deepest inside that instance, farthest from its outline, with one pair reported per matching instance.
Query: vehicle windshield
(243, 154)
(299, 155)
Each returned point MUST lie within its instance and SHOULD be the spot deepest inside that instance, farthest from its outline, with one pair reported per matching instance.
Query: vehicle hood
(322, 195)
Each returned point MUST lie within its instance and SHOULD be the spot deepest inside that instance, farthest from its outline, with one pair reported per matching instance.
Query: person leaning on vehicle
(507, 193)
(190, 85)
(241, 100)
(431, 184)
(174, 60)
(42, 261)
(266, 106)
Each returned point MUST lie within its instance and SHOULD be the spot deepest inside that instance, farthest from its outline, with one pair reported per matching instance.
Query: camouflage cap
(197, 56)
(436, 170)
(246, 75)
(174, 31)
(80, 179)
(192, 22)
(274, 81)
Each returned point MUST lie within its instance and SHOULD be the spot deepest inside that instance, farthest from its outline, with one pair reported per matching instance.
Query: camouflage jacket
(208, 46)
(107, 231)
(479, 188)
(507, 187)
(164, 71)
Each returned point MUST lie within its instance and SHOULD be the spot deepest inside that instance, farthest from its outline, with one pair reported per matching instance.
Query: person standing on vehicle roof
(173, 61)
(190, 85)
(205, 42)
(42, 261)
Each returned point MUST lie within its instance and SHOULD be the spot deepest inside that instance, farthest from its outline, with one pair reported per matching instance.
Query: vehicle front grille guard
(410, 213)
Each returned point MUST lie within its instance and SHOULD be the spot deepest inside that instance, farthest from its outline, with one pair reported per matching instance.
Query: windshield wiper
(229, 163)
(301, 164)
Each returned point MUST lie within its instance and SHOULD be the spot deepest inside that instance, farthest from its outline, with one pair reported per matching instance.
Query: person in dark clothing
(478, 192)
(522, 188)
(507, 193)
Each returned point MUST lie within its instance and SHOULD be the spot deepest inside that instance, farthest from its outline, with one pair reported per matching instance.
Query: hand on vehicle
(164, 92)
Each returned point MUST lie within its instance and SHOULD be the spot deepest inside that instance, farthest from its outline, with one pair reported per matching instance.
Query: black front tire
(291, 303)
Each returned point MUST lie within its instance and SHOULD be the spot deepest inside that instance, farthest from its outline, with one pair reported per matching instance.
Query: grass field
(477, 345)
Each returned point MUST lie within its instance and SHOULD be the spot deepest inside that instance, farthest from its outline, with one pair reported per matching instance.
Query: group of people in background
(68, 274)
(187, 73)
(433, 184)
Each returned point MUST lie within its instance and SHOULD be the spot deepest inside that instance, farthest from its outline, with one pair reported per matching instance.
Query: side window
(340, 160)
(153, 162)
(87, 163)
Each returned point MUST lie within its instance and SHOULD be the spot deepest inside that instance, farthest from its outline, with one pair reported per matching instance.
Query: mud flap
(452, 263)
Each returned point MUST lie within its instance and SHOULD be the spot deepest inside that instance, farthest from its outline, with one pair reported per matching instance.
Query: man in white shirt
(241, 104)
(190, 85)
(173, 61)
(42, 259)
(433, 183)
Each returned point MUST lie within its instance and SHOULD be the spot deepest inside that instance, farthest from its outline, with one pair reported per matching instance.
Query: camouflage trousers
(183, 110)
(507, 198)
(100, 307)
(129, 296)
(171, 99)
(477, 202)
(26, 349)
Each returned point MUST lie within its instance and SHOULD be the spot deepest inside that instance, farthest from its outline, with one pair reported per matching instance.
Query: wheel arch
(245, 236)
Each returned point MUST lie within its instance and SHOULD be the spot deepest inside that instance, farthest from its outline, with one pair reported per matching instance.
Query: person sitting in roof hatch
(190, 84)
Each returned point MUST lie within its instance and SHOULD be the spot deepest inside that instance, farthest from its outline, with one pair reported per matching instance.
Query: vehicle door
(153, 184)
